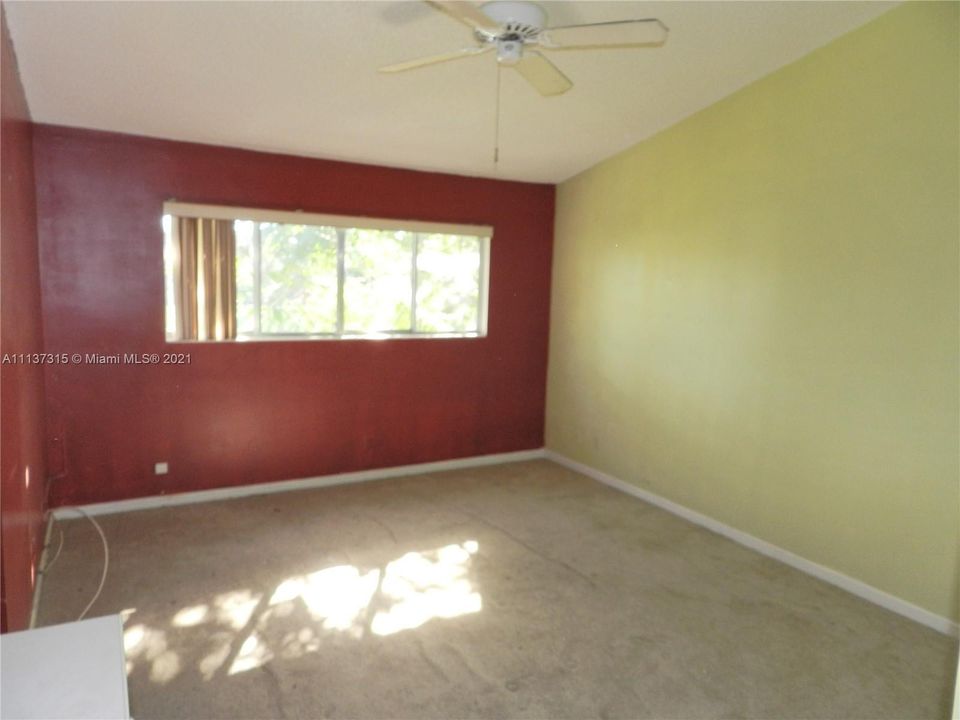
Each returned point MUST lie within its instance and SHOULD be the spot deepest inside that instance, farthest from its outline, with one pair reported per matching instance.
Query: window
(235, 273)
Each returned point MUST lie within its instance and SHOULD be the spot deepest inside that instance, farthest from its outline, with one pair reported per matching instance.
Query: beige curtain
(205, 281)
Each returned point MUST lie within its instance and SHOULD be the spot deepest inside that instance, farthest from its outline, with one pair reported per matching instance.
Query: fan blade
(545, 77)
(433, 59)
(650, 32)
(468, 13)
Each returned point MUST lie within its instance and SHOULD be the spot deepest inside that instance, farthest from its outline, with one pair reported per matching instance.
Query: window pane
(298, 278)
(378, 280)
(448, 283)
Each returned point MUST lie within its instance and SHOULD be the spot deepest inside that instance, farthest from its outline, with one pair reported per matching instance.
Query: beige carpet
(520, 590)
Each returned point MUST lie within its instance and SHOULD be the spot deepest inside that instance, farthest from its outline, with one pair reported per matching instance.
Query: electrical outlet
(161, 468)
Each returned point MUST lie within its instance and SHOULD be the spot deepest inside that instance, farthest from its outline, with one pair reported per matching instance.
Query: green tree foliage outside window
(377, 284)
(448, 283)
(298, 281)
(393, 281)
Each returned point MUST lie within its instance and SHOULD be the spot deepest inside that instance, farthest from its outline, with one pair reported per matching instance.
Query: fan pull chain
(496, 125)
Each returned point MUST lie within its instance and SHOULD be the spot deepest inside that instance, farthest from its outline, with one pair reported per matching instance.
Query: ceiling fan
(518, 31)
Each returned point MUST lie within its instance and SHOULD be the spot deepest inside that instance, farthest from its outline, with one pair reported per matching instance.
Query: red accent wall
(21, 385)
(245, 413)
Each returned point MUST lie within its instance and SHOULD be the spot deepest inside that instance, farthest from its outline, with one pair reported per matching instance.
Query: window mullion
(341, 276)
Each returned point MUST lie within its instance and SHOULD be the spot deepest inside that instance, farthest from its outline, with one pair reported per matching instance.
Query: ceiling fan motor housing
(520, 23)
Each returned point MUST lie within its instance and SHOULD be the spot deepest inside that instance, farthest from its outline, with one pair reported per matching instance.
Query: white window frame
(342, 223)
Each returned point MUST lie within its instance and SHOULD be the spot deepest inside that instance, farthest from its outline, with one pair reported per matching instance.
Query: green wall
(755, 312)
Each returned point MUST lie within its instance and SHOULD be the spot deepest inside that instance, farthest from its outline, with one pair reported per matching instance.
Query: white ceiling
(300, 77)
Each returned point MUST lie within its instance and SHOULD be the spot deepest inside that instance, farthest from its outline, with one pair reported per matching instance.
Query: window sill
(331, 338)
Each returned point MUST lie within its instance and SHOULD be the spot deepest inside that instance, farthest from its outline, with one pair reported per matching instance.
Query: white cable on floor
(49, 563)
(106, 561)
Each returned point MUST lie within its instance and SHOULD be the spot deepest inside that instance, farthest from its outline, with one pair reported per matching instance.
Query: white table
(76, 671)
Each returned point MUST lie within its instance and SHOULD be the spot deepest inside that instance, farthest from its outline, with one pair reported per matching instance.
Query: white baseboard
(851, 585)
(239, 491)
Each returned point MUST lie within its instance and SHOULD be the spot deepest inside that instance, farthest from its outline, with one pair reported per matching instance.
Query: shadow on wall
(241, 630)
